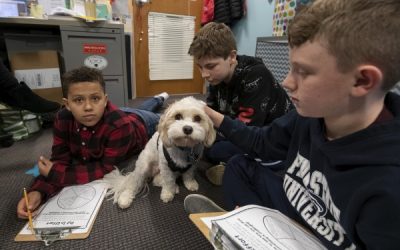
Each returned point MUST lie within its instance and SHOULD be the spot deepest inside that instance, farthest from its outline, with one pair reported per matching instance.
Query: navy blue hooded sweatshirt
(347, 190)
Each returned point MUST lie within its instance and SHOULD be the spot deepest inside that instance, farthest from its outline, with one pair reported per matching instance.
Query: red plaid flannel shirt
(83, 154)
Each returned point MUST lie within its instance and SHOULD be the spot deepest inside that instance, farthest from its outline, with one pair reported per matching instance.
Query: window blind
(169, 39)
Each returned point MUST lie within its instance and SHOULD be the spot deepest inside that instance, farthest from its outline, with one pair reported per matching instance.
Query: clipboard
(51, 234)
(196, 219)
(283, 232)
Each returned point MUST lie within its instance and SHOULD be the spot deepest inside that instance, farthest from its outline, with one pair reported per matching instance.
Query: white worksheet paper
(263, 228)
(74, 206)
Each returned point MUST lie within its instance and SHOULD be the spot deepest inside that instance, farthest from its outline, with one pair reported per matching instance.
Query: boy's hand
(215, 117)
(35, 198)
(44, 166)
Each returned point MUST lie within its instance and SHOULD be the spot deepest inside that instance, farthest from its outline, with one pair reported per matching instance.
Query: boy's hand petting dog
(44, 166)
(35, 198)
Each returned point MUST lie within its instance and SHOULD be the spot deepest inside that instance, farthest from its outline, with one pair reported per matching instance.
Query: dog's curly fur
(184, 129)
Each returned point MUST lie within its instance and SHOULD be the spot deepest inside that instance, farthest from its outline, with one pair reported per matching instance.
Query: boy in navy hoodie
(342, 143)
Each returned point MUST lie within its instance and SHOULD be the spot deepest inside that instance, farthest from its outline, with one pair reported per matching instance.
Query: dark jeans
(247, 181)
(221, 151)
(146, 111)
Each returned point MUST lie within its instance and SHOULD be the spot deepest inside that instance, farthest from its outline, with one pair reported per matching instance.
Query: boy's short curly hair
(355, 32)
(213, 40)
(82, 74)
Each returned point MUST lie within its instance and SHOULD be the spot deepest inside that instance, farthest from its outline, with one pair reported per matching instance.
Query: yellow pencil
(29, 211)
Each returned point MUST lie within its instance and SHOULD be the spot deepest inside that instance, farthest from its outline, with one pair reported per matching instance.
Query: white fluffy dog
(183, 131)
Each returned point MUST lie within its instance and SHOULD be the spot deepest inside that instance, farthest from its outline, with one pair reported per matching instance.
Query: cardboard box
(40, 70)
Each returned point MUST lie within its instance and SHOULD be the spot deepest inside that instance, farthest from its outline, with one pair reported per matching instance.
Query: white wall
(257, 23)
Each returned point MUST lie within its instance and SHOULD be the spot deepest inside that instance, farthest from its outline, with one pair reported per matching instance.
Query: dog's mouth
(185, 141)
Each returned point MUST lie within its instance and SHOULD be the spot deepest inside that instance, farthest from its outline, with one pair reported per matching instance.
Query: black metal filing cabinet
(99, 45)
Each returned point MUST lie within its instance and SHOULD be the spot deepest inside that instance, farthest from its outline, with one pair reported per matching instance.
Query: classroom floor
(147, 224)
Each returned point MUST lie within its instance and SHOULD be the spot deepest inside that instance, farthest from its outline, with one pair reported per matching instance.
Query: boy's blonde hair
(213, 40)
(355, 32)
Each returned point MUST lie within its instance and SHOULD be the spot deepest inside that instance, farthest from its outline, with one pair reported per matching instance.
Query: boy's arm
(379, 220)
(46, 189)
(41, 183)
(269, 143)
(262, 98)
(64, 173)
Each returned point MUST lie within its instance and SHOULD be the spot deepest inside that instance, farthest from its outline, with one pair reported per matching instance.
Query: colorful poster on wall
(283, 13)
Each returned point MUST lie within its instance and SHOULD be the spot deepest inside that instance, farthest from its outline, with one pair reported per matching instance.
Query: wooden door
(144, 86)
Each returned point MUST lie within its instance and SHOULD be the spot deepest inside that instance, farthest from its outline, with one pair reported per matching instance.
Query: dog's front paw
(166, 196)
(125, 199)
(191, 185)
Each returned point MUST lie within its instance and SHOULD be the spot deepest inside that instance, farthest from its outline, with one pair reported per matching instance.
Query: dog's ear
(162, 128)
(211, 133)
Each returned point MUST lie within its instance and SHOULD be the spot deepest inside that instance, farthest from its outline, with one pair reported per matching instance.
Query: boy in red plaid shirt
(91, 136)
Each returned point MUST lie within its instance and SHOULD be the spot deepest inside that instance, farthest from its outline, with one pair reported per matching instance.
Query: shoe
(6, 139)
(164, 96)
(24, 98)
(215, 174)
(48, 119)
(197, 203)
(19, 95)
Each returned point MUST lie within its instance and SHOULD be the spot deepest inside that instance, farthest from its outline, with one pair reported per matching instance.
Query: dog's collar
(191, 157)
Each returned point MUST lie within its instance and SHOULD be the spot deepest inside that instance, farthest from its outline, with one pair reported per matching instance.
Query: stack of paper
(256, 227)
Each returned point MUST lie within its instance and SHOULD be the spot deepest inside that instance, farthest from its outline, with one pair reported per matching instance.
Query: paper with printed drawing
(256, 227)
(74, 206)
(39, 78)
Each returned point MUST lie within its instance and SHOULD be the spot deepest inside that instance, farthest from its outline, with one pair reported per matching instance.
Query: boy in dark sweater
(341, 145)
(240, 87)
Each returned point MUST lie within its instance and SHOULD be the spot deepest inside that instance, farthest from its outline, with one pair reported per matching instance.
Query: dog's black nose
(187, 130)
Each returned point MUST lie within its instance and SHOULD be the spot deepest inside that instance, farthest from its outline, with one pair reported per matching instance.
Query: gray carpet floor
(147, 224)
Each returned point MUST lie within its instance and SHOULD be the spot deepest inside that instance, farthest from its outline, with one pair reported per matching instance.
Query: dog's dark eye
(197, 118)
(178, 117)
